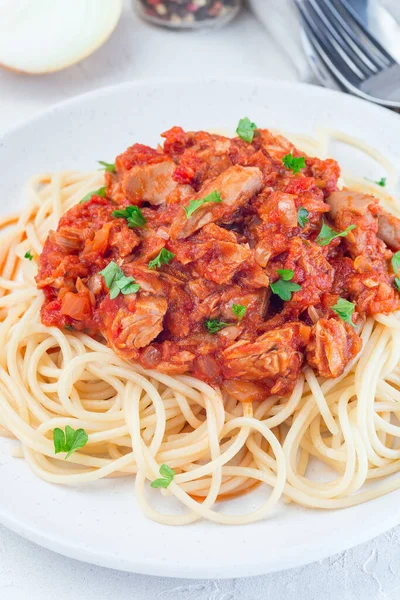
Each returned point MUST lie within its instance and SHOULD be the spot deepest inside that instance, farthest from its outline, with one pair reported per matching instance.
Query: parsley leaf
(195, 204)
(167, 476)
(111, 271)
(28, 254)
(109, 167)
(344, 309)
(381, 181)
(239, 310)
(285, 274)
(396, 262)
(69, 441)
(100, 192)
(327, 234)
(163, 258)
(246, 129)
(284, 286)
(292, 163)
(396, 269)
(117, 282)
(126, 285)
(213, 325)
(132, 214)
(302, 216)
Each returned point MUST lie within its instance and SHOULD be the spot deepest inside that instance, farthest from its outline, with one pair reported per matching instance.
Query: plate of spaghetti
(200, 326)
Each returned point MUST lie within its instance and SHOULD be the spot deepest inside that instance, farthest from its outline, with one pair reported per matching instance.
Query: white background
(137, 51)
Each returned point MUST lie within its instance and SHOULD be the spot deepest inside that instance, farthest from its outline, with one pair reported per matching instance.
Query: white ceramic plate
(100, 523)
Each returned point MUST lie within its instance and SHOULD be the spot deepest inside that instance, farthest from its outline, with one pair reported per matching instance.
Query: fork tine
(321, 54)
(331, 52)
(333, 25)
(351, 22)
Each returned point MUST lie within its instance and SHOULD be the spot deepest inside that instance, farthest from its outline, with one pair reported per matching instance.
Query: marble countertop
(137, 51)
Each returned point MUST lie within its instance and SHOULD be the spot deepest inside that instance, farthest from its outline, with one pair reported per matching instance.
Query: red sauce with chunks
(239, 290)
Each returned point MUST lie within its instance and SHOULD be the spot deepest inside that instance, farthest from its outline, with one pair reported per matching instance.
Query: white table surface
(137, 51)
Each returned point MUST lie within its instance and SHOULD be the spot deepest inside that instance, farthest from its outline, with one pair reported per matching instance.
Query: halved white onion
(41, 36)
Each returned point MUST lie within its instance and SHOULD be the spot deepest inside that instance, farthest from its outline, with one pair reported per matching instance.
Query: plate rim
(143, 82)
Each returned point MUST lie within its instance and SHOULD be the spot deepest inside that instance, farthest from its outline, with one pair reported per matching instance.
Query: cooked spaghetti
(211, 315)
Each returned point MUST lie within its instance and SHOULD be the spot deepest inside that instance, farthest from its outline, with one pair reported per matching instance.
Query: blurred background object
(381, 17)
(188, 13)
(348, 51)
(42, 36)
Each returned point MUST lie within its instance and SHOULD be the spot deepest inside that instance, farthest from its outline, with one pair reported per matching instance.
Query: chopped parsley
(195, 204)
(213, 325)
(100, 192)
(285, 274)
(69, 441)
(239, 310)
(109, 167)
(167, 475)
(302, 216)
(396, 262)
(132, 214)
(327, 234)
(284, 286)
(117, 282)
(28, 254)
(381, 182)
(246, 130)
(163, 258)
(344, 309)
(292, 163)
(396, 269)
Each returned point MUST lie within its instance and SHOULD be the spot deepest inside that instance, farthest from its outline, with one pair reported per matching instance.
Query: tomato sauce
(249, 295)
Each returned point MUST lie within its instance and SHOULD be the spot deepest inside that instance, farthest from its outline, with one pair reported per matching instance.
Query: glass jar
(188, 14)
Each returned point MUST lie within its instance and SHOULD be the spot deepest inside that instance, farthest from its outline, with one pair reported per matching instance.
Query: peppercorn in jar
(188, 13)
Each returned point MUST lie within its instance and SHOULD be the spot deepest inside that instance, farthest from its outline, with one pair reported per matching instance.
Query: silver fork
(354, 58)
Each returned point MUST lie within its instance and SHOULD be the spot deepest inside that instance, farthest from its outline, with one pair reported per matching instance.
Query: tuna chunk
(237, 185)
(134, 323)
(275, 356)
(332, 345)
(150, 182)
(371, 220)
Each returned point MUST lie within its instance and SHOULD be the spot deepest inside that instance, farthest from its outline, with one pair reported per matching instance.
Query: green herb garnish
(109, 167)
(28, 254)
(396, 269)
(100, 192)
(284, 286)
(163, 258)
(246, 129)
(213, 325)
(239, 310)
(69, 441)
(132, 214)
(396, 262)
(302, 216)
(195, 204)
(327, 234)
(344, 309)
(292, 163)
(117, 282)
(167, 476)
(381, 182)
